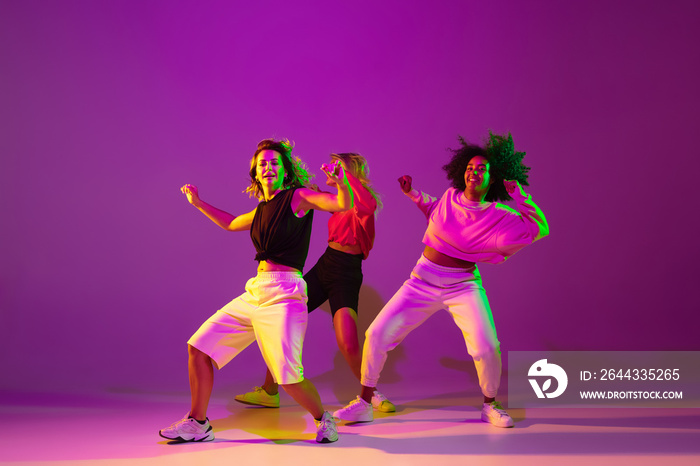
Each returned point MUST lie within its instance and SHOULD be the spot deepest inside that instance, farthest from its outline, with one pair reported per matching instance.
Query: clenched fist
(406, 183)
(190, 191)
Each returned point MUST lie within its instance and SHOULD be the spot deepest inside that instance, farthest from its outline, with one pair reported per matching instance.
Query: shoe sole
(250, 403)
(326, 440)
(485, 418)
(179, 439)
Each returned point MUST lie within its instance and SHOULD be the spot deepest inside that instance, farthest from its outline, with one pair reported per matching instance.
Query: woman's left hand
(512, 185)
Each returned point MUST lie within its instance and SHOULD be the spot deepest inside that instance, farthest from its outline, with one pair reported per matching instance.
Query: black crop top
(278, 235)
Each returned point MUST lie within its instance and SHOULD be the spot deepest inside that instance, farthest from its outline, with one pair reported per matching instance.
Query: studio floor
(442, 429)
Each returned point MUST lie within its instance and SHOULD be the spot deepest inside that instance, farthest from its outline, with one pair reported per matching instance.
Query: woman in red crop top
(337, 276)
(273, 308)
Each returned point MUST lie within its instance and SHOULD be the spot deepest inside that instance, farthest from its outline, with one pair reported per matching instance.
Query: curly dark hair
(505, 163)
(295, 172)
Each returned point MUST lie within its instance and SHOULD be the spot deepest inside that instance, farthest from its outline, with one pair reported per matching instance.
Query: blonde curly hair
(296, 173)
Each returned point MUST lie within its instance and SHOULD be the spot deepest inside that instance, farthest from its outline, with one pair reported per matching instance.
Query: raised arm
(223, 219)
(425, 202)
(305, 199)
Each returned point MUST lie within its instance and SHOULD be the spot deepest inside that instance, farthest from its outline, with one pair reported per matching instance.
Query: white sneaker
(259, 397)
(357, 411)
(495, 414)
(188, 429)
(327, 431)
(381, 403)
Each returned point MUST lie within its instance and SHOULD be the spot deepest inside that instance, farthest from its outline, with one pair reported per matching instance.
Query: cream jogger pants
(431, 288)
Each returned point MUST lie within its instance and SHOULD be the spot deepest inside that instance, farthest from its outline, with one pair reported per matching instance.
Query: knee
(487, 350)
(292, 387)
(376, 336)
(371, 335)
(196, 355)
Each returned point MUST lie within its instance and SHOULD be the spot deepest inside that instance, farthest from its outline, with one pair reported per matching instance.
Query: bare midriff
(346, 248)
(269, 266)
(444, 260)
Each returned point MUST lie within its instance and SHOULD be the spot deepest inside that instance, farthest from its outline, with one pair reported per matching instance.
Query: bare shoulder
(300, 201)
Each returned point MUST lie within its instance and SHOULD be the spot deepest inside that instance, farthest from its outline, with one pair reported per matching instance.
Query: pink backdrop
(109, 107)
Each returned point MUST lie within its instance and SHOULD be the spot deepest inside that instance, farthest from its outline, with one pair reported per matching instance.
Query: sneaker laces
(181, 421)
(358, 402)
(496, 405)
(263, 392)
(380, 396)
(326, 419)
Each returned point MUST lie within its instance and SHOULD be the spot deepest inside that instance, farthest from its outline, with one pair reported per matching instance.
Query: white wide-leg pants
(431, 288)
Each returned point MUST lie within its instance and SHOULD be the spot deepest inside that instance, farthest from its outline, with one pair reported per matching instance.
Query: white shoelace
(496, 406)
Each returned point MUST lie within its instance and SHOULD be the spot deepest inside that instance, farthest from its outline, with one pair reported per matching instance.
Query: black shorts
(336, 277)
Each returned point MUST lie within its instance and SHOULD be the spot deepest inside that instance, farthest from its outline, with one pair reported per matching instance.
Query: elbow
(544, 231)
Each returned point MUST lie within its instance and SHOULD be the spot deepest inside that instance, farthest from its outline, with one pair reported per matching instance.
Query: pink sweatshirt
(480, 231)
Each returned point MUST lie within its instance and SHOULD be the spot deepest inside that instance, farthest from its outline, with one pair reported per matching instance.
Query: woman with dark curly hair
(465, 226)
(273, 308)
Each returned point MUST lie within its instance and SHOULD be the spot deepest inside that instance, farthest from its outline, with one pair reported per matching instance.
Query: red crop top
(355, 226)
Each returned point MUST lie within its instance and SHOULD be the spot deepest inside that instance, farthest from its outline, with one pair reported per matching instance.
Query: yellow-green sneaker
(259, 397)
(381, 403)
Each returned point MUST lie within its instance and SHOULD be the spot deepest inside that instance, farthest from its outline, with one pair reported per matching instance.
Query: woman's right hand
(334, 171)
(190, 191)
(406, 183)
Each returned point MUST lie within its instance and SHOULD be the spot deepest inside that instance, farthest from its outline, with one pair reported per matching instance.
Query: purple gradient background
(109, 107)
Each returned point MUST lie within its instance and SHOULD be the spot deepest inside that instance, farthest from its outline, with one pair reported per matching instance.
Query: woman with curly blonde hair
(273, 308)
